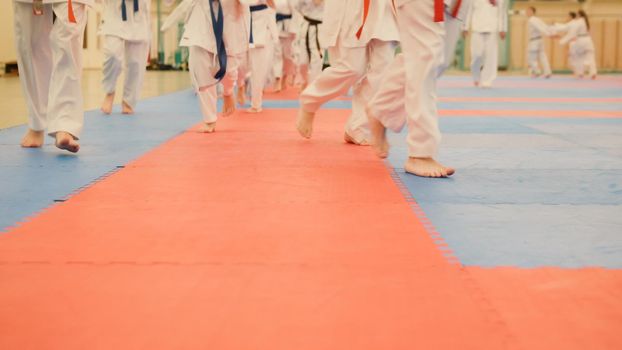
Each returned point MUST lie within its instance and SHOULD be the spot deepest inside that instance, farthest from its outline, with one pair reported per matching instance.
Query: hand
(465, 33)
(502, 35)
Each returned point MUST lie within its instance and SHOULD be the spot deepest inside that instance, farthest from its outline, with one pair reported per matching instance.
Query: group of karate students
(230, 40)
(576, 34)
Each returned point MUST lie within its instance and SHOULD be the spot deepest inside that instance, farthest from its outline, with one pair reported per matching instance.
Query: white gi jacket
(137, 27)
(483, 17)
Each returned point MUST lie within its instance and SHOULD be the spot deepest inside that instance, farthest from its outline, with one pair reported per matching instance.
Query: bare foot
(208, 127)
(126, 108)
(304, 123)
(241, 95)
(548, 76)
(427, 167)
(32, 139)
(349, 139)
(476, 83)
(379, 137)
(228, 107)
(594, 77)
(107, 104)
(67, 142)
(278, 85)
(254, 110)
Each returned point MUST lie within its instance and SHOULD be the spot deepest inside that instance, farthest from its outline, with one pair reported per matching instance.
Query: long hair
(584, 15)
(572, 14)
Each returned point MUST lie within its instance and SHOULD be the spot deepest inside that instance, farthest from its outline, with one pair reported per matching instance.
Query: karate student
(537, 29)
(360, 48)
(407, 95)
(487, 20)
(216, 34)
(283, 54)
(310, 50)
(126, 29)
(263, 37)
(455, 13)
(49, 36)
(583, 45)
(571, 25)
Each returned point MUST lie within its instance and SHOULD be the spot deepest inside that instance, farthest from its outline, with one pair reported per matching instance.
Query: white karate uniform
(407, 95)
(310, 57)
(283, 53)
(127, 40)
(354, 62)
(536, 56)
(49, 55)
(485, 22)
(265, 36)
(199, 38)
(559, 28)
(455, 13)
(582, 47)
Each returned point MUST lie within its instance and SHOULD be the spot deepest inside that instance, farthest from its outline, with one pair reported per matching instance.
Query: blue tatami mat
(32, 179)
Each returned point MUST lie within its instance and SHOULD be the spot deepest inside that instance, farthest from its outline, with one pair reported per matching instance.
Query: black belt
(313, 23)
(258, 8)
(535, 38)
(255, 8)
(282, 16)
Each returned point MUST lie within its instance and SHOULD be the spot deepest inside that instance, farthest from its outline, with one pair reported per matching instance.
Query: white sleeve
(466, 25)
(503, 16)
(570, 34)
(178, 14)
(542, 27)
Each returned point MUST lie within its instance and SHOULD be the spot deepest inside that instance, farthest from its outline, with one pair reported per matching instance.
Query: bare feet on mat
(107, 104)
(476, 83)
(126, 108)
(548, 76)
(32, 139)
(304, 123)
(254, 110)
(241, 96)
(349, 139)
(379, 138)
(208, 127)
(427, 167)
(67, 142)
(228, 107)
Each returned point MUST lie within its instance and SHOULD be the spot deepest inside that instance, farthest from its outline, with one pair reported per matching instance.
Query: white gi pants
(407, 94)
(310, 58)
(363, 66)
(260, 63)
(453, 31)
(49, 55)
(203, 65)
(134, 53)
(484, 53)
(585, 57)
(537, 58)
(284, 58)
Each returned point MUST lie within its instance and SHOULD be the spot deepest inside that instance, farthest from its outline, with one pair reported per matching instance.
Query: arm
(180, 12)
(571, 34)
(467, 20)
(503, 19)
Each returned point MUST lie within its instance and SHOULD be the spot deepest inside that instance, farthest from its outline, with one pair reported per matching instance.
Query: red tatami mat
(254, 239)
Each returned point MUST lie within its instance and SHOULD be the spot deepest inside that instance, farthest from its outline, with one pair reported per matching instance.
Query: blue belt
(124, 9)
(218, 24)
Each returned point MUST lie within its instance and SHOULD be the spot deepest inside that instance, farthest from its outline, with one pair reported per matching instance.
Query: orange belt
(454, 11)
(37, 9)
(70, 14)
(439, 13)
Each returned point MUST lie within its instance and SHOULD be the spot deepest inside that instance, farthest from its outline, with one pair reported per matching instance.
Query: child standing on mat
(49, 36)
(126, 30)
(360, 36)
(216, 33)
(407, 95)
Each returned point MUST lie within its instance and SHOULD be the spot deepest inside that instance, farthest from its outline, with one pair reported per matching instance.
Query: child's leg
(113, 61)
(380, 54)
(422, 44)
(491, 60)
(348, 65)
(259, 63)
(386, 109)
(228, 83)
(200, 63)
(477, 55)
(136, 53)
(65, 107)
(34, 57)
(453, 29)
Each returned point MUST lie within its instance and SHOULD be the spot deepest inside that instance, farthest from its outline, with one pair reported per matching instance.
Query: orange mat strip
(252, 238)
